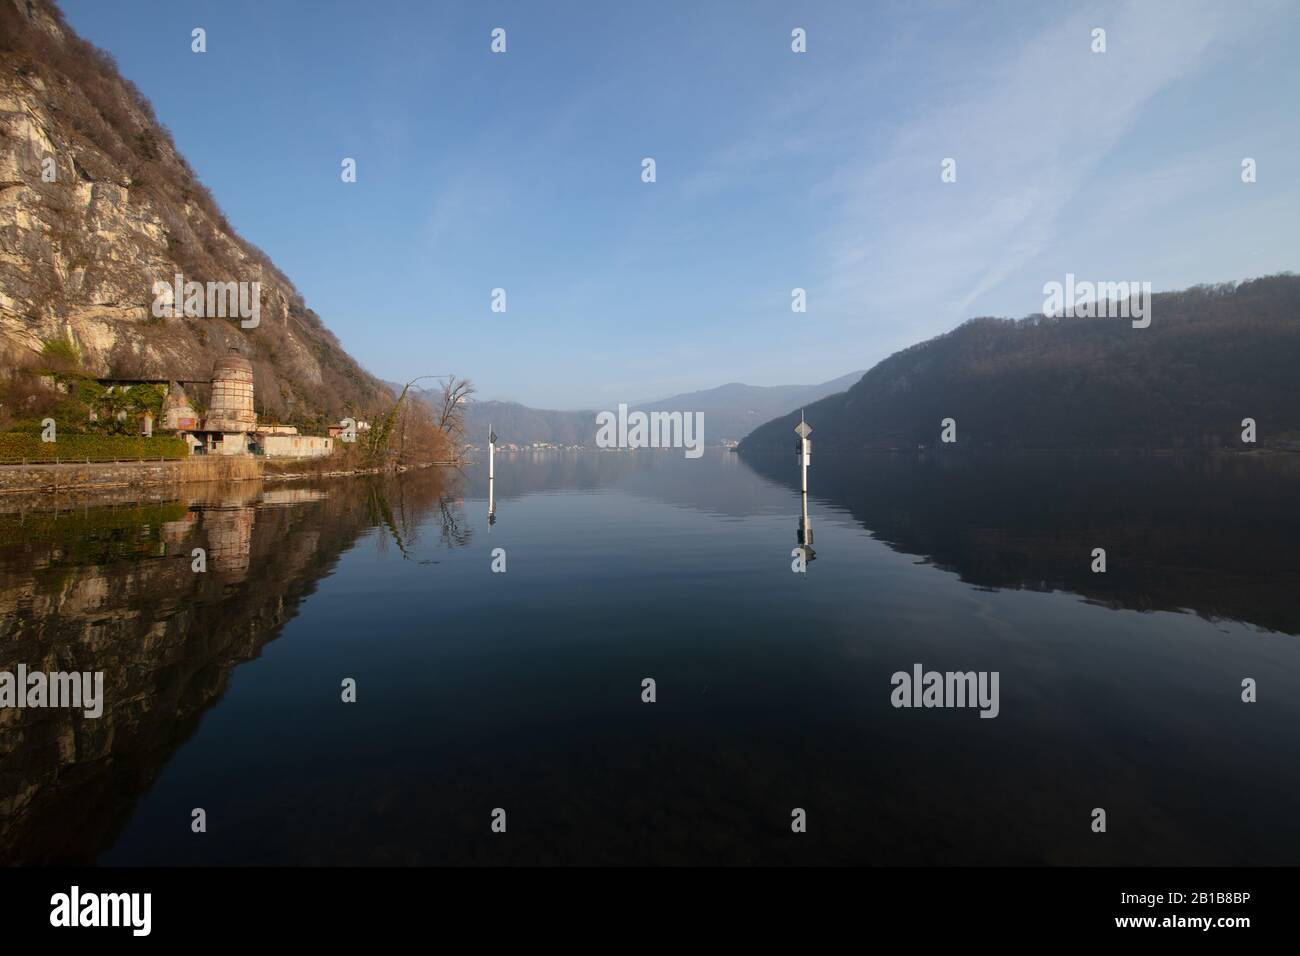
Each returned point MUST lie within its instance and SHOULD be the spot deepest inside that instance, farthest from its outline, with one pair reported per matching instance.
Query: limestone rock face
(96, 206)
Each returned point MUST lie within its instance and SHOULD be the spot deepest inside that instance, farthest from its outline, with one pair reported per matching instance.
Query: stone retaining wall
(17, 479)
(94, 475)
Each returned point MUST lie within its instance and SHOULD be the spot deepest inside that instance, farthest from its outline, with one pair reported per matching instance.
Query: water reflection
(803, 534)
(479, 689)
(1215, 536)
(1211, 535)
(110, 588)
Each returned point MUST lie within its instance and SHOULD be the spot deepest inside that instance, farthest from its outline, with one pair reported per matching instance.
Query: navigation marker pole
(803, 448)
(492, 476)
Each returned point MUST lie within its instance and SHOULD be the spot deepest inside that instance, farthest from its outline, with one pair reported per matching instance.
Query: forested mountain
(1212, 356)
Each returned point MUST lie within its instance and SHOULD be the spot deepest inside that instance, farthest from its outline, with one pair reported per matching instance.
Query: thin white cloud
(1026, 142)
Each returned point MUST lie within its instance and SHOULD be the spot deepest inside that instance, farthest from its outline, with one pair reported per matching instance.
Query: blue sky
(774, 170)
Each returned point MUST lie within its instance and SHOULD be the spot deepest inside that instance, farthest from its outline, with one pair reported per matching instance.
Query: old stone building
(231, 419)
(230, 426)
(177, 412)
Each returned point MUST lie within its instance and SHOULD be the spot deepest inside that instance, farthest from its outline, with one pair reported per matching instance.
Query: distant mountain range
(517, 424)
(1211, 357)
(730, 412)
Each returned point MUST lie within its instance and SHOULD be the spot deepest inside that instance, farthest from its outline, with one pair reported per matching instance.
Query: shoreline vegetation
(82, 440)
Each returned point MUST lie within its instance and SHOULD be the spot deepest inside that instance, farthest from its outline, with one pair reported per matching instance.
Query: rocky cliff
(96, 205)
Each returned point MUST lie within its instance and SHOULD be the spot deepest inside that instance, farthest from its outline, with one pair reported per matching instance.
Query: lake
(774, 691)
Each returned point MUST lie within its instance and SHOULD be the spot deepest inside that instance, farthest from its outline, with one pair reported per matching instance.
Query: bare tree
(436, 431)
(451, 411)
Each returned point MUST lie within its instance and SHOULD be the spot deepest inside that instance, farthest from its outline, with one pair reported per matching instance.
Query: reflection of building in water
(224, 494)
(174, 532)
(230, 540)
(283, 497)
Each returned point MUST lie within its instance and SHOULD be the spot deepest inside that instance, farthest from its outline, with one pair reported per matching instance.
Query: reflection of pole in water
(492, 476)
(804, 536)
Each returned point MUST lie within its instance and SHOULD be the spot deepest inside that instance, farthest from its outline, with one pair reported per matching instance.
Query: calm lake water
(522, 690)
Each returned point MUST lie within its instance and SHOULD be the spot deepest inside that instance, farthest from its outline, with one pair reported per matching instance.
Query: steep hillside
(79, 255)
(1211, 357)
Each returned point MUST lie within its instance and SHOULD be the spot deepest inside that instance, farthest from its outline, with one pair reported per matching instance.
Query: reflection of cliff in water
(111, 589)
(1216, 536)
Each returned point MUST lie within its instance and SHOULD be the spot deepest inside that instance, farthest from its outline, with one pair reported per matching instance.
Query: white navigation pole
(492, 476)
(803, 449)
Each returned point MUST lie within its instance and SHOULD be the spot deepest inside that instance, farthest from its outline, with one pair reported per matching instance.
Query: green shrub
(87, 390)
(59, 357)
(19, 446)
(145, 398)
(61, 350)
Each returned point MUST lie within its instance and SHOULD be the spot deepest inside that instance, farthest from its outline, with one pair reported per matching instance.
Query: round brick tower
(231, 408)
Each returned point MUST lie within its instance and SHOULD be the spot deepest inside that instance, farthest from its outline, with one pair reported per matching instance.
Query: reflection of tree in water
(390, 509)
(381, 514)
(453, 531)
(110, 589)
